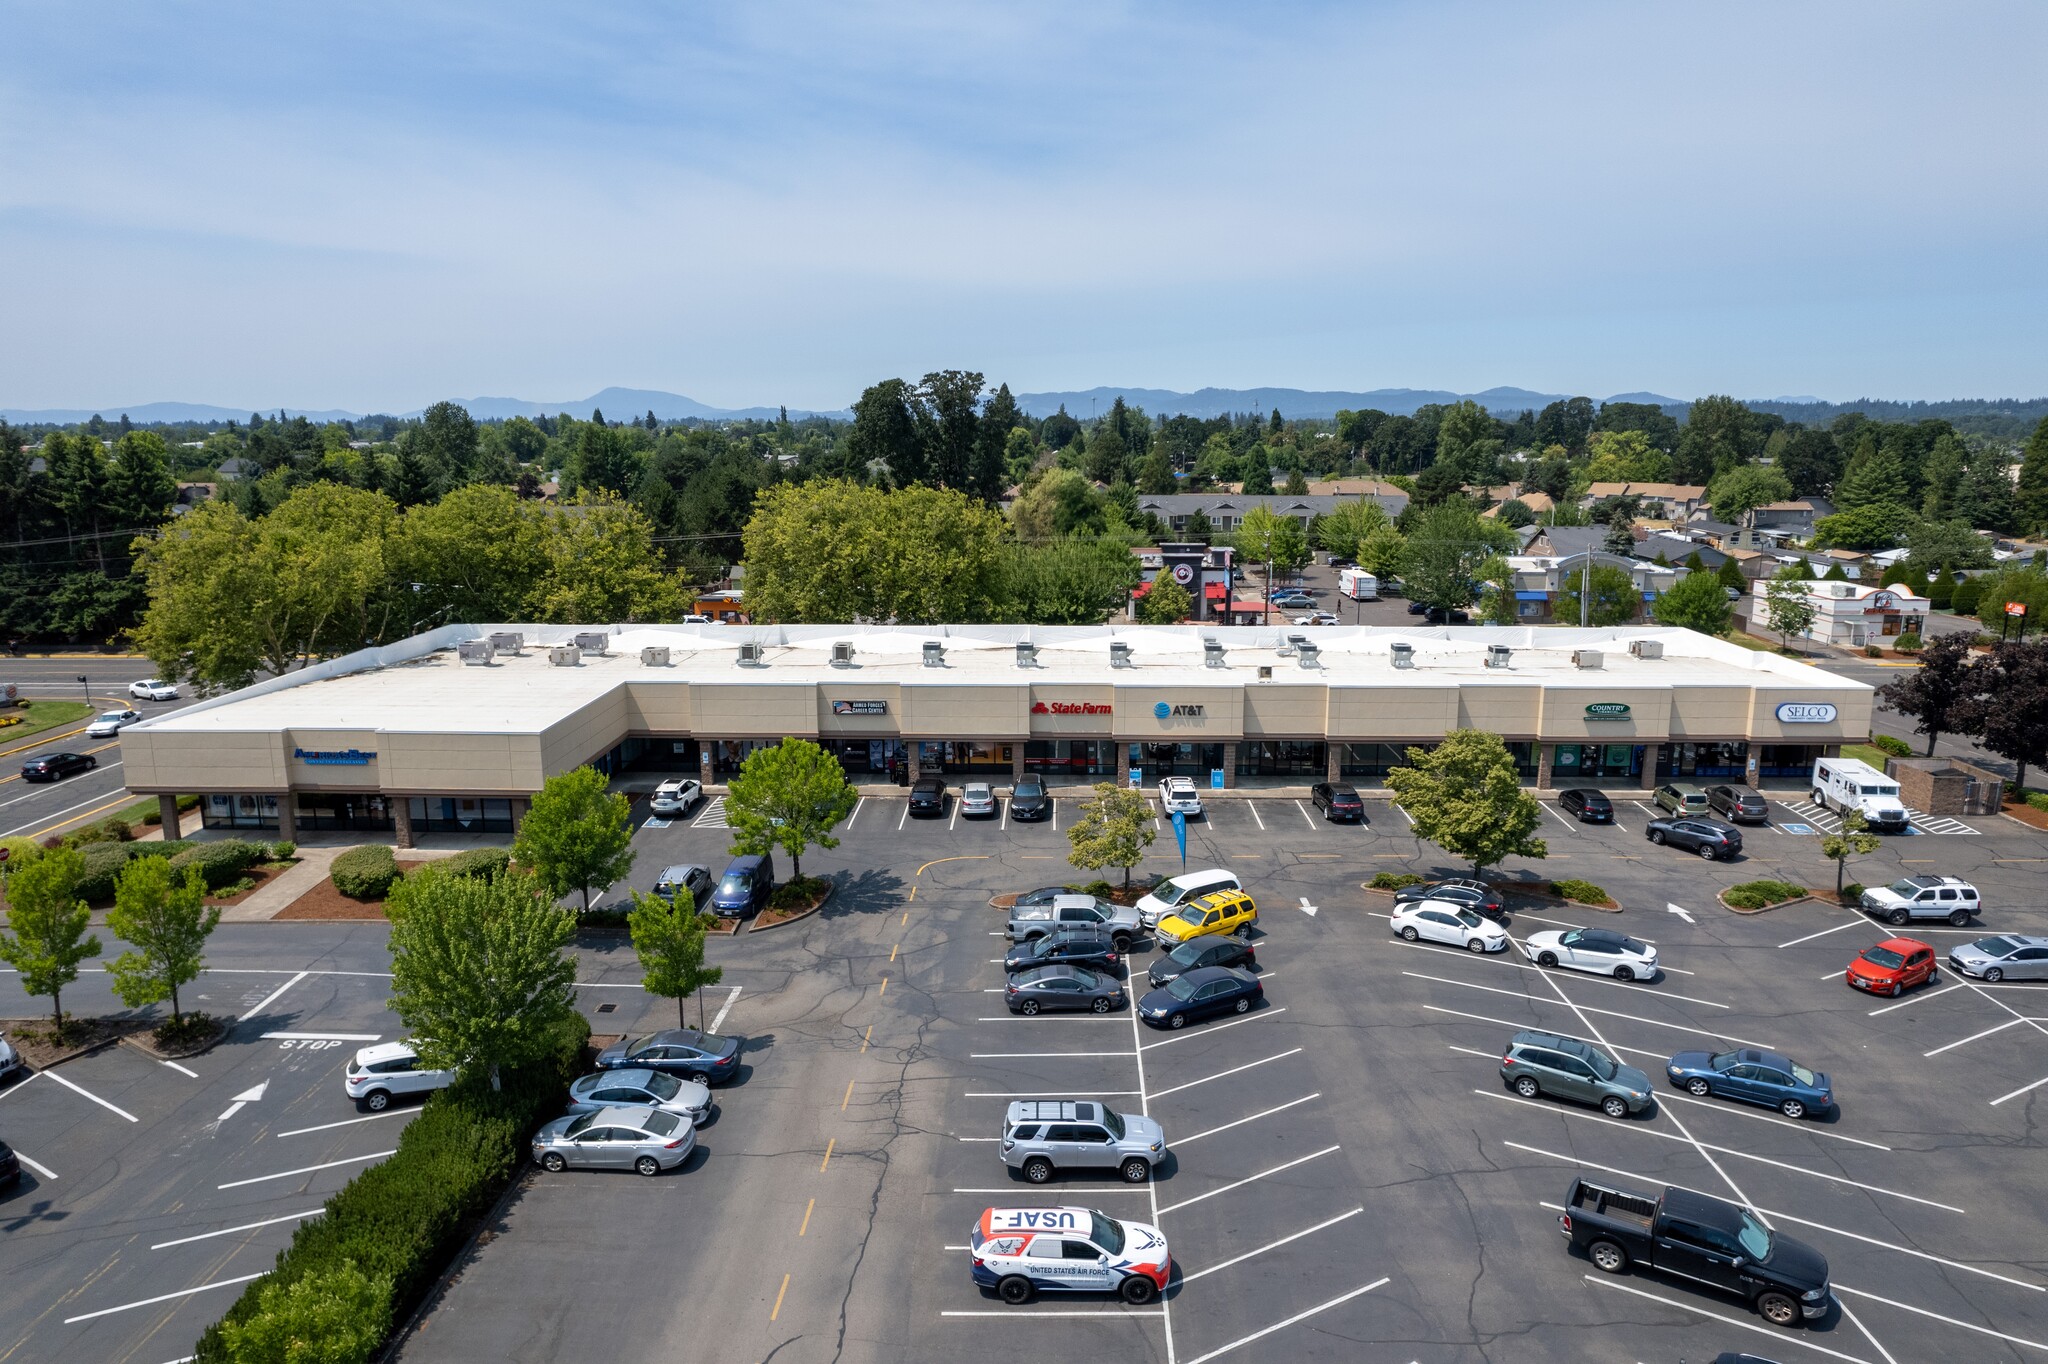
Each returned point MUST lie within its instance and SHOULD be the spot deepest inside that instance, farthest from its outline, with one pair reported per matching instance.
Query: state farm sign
(1068, 708)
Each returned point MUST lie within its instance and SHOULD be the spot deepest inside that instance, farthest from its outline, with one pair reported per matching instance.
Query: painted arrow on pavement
(247, 1096)
(1307, 908)
(1681, 913)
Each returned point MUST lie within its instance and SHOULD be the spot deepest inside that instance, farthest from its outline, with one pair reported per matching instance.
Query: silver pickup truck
(1121, 922)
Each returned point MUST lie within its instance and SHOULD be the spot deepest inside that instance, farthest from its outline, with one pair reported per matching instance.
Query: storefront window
(1524, 755)
(460, 815)
(1282, 758)
(1787, 760)
(1373, 760)
(238, 812)
(1682, 762)
(1595, 762)
(1176, 760)
(344, 812)
(1071, 757)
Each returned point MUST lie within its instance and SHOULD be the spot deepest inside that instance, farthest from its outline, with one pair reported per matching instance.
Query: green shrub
(365, 873)
(103, 862)
(1757, 894)
(168, 847)
(1581, 892)
(484, 863)
(1394, 880)
(397, 1224)
(20, 850)
(797, 894)
(284, 850)
(1852, 892)
(1898, 748)
(1872, 651)
(1908, 643)
(2038, 799)
(1963, 601)
(221, 863)
(338, 1306)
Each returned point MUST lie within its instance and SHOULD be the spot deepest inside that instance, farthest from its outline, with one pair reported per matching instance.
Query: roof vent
(1403, 654)
(1498, 655)
(565, 656)
(1265, 672)
(1309, 654)
(508, 642)
(1119, 654)
(474, 651)
(750, 654)
(1586, 658)
(1212, 653)
(1844, 590)
(1027, 654)
(594, 642)
(934, 654)
(842, 653)
(654, 656)
(1646, 648)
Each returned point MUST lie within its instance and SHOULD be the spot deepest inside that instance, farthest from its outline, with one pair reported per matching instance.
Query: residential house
(1850, 614)
(1536, 502)
(1671, 501)
(1226, 510)
(1540, 581)
(1676, 549)
(1355, 487)
(1792, 520)
(234, 466)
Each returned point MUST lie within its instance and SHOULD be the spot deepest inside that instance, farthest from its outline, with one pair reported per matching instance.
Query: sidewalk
(313, 867)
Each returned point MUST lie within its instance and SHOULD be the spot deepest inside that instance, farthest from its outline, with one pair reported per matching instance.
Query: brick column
(1333, 769)
(287, 818)
(704, 773)
(401, 818)
(1546, 756)
(1016, 762)
(1651, 752)
(521, 805)
(1230, 767)
(167, 811)
(913, 754)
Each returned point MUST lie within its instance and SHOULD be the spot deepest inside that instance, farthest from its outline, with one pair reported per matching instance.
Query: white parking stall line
(1055, 814)
(1248, 1179)
(1508, 1023)
(1283, 1325)
(1951, 1046)
(1405, 815)
(306, 1170)
(1281, 1108)
(271, 998)
(712, 816)
(1734, 1110)
(856, 811)
(166, 1297)
(1234, 1070)
(1037, 1055)
(902, 817)
(1271, 1245)
(1253, 806)
(1645, 809)
(76, 1089)
(1011, 1190)
(1041, 1094)
(1210, 1032)
(1305, 814)
(1605, 1013)
(1868, 1335)
(718, 1019)
(1552, 810)
(1003, 808)
(246, 1226)
(45, 1171)
(322, 1036)
(2023, 1089)
(1027, 1314)
(1623, 1123)
(977, 1138)
(1913, 998)
(180, 1069)
(1936, 1316)
(954, 822)
(1822, 934)
(347, 1122)
(1780, 1336)
(1936, 824)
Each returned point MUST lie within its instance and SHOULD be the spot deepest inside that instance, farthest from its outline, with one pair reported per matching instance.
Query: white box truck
(1841, 784)
(1358, 584)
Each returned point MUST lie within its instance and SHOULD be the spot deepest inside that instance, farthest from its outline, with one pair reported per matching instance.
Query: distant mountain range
(1297, 403)
(616, 403)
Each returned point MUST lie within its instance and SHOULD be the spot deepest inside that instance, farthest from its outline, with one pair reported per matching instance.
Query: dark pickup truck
(1702, 1239)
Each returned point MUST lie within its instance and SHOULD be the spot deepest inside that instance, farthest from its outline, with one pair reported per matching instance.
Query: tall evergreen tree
(2032, 493)
(884, 443)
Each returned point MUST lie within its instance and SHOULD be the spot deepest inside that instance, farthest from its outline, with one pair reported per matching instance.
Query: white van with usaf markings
(1022, 1251)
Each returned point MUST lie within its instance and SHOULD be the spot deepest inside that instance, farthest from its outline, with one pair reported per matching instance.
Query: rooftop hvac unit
(1027, 654)
(1119, 654)
(474, 651)
(1212, 653)
(565, 656)
(1310, 654)
(1586, 658)
(934, 654)
(842, 653)
(1403, 655)
(1844, 590)
(750, 654)
(1646, 648)
(508, 642)
(1498, 655)
(654, 656)
(594, 642)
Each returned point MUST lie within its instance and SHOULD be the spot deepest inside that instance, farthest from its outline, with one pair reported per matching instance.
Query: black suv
(1066, 946)
(1586, 805)
(1712, 840)
(1337, 800)
(1739, 804)
(928, 796)
(1476, 896)
(1028, 799)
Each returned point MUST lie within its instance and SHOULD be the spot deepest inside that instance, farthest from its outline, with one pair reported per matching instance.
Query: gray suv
(1121, 922)
(1044, 1135)
(1566, 1068)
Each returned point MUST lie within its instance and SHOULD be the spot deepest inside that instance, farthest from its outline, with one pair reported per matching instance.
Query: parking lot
(1348, 1178)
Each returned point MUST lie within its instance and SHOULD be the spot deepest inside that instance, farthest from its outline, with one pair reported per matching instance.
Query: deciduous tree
(831, 550)
(601, 566)
(1696, 602)
(167, 921)
(1788, 611)
(2009, 710)
(1610, 595)
(578, 835)
(1937, 694)
(1854, 840)
(789, 796)
(1113, 829)
(47, 924)
(1167, 603)
(1465, 796)
(669, 938)
(1345, 529)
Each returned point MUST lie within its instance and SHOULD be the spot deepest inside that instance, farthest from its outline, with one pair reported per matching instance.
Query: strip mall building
(448, 731)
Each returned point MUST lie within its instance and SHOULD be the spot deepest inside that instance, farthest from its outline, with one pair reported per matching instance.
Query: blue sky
(376, 206)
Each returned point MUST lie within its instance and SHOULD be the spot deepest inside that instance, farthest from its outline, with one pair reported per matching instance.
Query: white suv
(1923, 897)
(1177, 797)
(381, 1073)
(676, 796)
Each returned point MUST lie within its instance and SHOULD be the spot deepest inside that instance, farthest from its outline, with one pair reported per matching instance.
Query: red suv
(1891, 966)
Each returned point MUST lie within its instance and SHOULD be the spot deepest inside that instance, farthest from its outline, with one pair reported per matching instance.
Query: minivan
(745, 887)
(1168, 896)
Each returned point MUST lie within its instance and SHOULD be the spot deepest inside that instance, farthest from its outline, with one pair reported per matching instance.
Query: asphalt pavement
(35, 809)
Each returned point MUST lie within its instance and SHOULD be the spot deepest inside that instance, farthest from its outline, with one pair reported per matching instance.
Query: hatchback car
(1712, 840)
(1062, 989)
(1892, 967)
(1065, 947)
(684, 879)
(1444, 922)
(644, 1140)
(1337, 800)
(1922, 897)
(1739, 804)
(51, 766)
(1680, 798)
(1566, 1068)
(153, 689)
(636, 1087)
(1217, 913)
(1200, 952)
(977, 799)
(1586, 805)
(683, 1052)
(1200, 994)
(2014, 955)
(109, 723)
(1042, 1136)
(1458, 890)
(1019, 1252)
(1758, 1077)
(1029, 799)
(676, 796)
(928, 796)
(1177, 796)
(390, 1070)
(1599, 950)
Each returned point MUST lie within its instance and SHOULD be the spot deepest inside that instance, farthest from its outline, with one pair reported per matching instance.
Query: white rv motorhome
(1852, 784)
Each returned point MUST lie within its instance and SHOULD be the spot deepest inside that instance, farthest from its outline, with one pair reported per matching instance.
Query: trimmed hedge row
(218, 863)
(486, 864)
(1394, 880)
(1897, 747)
(399, 1223)
(365, 873)
(1581, 892)
(1761, 894)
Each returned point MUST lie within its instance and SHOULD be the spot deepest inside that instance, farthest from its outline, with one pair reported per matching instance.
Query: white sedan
(1442, 921)
(1177, 796)
(111, 722)
(1318, 618)
(153, 689)
(1599, 950)
(676, 796)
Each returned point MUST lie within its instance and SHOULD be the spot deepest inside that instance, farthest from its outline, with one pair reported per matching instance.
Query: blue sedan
(1200, 993)
(1758, 1077)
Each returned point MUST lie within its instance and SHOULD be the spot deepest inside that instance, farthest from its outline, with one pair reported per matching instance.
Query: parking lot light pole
(88, 689)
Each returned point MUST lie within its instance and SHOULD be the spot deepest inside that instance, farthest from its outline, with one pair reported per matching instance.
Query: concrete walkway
(313, 867)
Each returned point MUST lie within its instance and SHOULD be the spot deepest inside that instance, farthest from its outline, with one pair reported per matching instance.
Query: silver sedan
(977, 798)
(646, 1140)
(636, 1087)
(2012, 956)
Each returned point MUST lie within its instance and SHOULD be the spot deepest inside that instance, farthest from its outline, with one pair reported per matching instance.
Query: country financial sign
(1607, 710)
(1807, 713)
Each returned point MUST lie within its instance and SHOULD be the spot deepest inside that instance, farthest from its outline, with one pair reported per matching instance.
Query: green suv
(1682, 798)
(1566, 1068)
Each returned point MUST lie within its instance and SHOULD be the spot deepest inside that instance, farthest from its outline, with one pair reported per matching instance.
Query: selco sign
(1068, 708)
(860, 707)
(347, 757)
(1807, 713)
(1162, 711)
(1607, 710)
